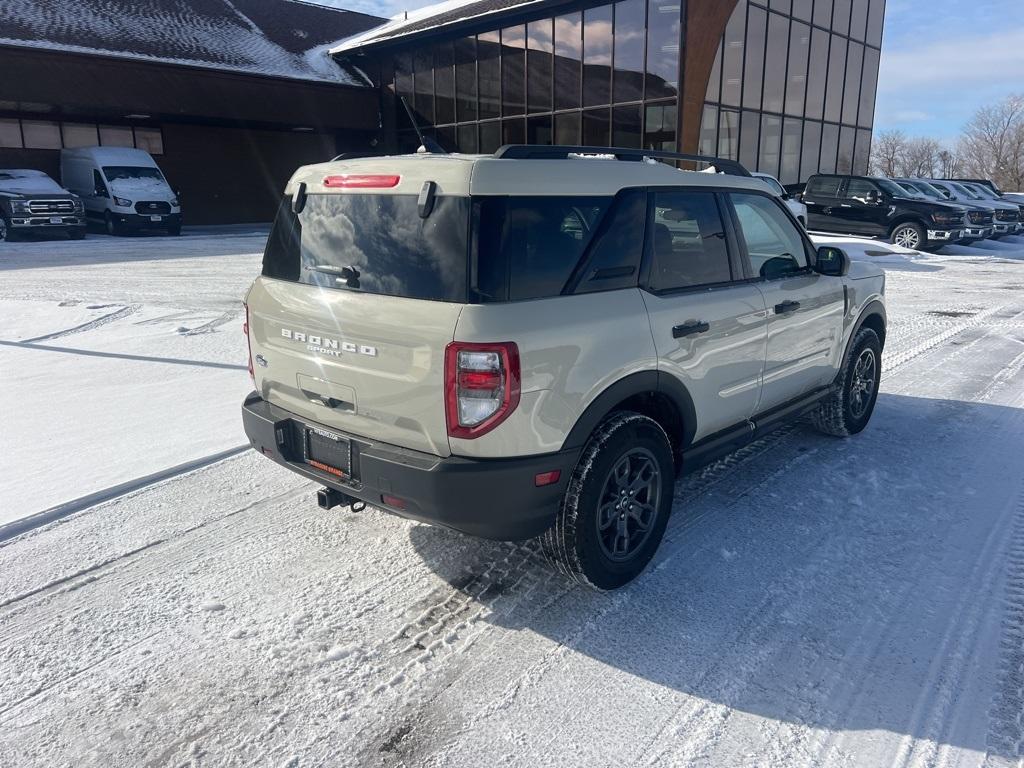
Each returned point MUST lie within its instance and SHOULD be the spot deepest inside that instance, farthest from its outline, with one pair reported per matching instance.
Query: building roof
(426, 19)
(272, 38)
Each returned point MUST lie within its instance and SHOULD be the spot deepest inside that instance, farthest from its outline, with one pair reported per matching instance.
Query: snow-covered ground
(817, 602)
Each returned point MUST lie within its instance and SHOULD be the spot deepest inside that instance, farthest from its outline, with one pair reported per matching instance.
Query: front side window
(773, 243)
(859, 189)
(373, 244)
(687, 242)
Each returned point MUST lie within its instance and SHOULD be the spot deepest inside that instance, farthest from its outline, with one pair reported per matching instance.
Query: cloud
(994, 60)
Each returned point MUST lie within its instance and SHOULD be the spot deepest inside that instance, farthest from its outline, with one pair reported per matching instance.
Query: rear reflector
(393, 501)
(547, 478)
(362, 181)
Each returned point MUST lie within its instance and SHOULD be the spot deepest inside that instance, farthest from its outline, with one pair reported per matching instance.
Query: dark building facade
(229, 97)
(785, 86)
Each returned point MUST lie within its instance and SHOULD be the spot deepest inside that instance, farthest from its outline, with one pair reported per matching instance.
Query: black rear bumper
(489, 498)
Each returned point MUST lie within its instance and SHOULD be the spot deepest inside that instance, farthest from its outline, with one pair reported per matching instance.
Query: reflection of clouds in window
(569, 35)
(598, 41)
(396, 252)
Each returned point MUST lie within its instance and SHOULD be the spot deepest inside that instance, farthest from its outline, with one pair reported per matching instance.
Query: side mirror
(100, 192)
(832, 262)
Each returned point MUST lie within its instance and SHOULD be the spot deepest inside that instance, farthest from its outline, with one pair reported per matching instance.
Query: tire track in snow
(1006, 732)
(99, 322)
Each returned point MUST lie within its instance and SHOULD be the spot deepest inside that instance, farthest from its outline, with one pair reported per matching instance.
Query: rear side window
(373, 244)
(687, 241)
(529, 247)
(774, 245)
(824, 186)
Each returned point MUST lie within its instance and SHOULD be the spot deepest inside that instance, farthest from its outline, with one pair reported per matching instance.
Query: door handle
(787, 306)
(690, 329)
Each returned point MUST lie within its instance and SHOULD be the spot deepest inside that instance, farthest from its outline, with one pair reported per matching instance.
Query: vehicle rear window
(373, 244)
(528, 247)
(825, 186)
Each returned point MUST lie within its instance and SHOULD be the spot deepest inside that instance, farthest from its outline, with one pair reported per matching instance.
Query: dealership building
(785, 86)
(230, 96)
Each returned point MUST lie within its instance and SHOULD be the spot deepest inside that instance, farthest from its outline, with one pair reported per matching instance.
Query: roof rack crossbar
(562, 152)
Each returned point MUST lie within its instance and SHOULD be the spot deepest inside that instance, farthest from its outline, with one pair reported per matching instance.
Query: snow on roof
(273, 38)
(423, 19)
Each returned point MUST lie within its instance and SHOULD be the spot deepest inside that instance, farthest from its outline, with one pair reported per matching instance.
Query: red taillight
(361, 181)
(248, 343)
(482, 386)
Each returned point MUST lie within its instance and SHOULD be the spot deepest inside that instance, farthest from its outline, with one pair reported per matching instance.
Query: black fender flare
(874, 308)
(635, 384)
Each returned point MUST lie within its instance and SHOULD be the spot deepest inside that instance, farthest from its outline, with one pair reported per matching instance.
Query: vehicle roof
(112, 155)
(488, 175)
(22, 173)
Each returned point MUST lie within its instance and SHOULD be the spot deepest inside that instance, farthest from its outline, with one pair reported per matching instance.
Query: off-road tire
(909, 231)
(573, 544)
(837, 414)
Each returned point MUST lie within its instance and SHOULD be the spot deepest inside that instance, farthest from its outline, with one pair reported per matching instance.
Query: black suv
(877, 207)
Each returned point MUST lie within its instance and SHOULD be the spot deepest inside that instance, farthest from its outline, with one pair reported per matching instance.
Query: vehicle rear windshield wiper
(349, 274)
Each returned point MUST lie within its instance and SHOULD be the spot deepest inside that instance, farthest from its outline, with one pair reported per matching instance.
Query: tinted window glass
(626, 126)
(444, 83)
(844, 163)
(687, 241)
(866, 115)
(732, 57)
(858, 189)
(489, 74)
(538, 65)
(836, 79)
(810, 150)
(709, 132)
(851, 97)
(662, 48)
(614, 259)
(775, 63)
(824, 186)
(513, 70)
(823, 13)
(596, 128)
(771, 137)
(789, 173)
(774, 244)
(729, 134)
(597, 56)
(757, 24)
(380, 240)
(490, 136)
(660, 127)
(538, 130)
(465, 78)
(567, 128)
(423, 100)
(568, 53)
(841, 16)
(530, 246)
(796, 83)
(875, 19)
(817, 74)
(829, 148)
(629, 50)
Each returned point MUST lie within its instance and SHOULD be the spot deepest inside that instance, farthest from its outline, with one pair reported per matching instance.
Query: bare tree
(886, 151)
(920, 158)
(949, 164)
(992, 145)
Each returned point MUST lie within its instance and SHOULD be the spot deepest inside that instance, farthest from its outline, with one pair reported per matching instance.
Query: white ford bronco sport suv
(533, 343)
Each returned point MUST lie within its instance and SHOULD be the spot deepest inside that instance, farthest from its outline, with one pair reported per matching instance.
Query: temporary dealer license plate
(329, 452)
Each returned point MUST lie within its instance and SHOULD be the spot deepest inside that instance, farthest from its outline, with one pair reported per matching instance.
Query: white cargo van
(123, 189)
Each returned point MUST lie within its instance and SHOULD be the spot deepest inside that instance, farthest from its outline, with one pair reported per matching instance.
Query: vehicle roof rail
(562, 152)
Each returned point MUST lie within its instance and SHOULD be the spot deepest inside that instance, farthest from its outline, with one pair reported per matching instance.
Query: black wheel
(112, 227)
(615, 510)
(174, 230)
(848, 408)
(5, 231)
(909, 235)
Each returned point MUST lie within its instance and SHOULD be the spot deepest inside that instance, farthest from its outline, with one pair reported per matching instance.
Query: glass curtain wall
(604, 75)
(792, 91)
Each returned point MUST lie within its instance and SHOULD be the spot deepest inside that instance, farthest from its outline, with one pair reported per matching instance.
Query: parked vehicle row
(920, 214)
(116, 189)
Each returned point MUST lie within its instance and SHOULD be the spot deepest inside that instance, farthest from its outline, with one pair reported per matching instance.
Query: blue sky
(941, 59)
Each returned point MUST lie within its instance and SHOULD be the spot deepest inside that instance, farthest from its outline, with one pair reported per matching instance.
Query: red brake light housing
(482, 386)
(362, 181)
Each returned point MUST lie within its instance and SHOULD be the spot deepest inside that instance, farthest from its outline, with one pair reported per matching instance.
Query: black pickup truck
(32, 202)
(878, 207)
